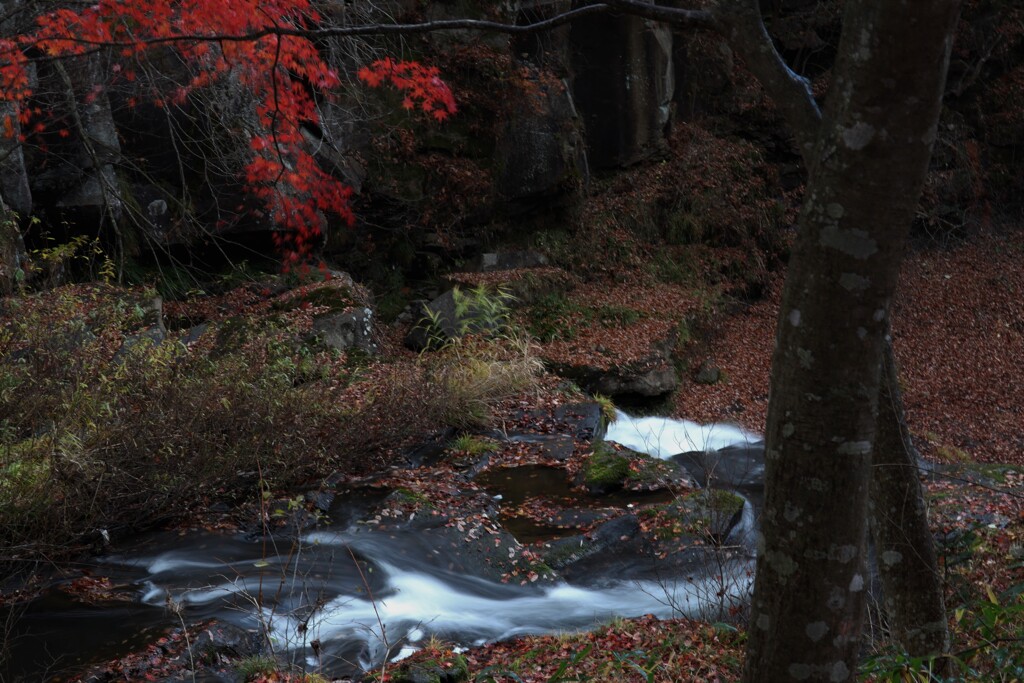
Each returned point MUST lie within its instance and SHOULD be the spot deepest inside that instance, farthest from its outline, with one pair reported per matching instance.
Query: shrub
(97, 434)
(105, 426)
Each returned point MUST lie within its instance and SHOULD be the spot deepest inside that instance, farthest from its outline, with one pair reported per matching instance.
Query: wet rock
(320, 500)
(679, 538)
(710, 513)
(588, 556)
(612, 467)
(583, 420)
(429, 673)
(216, 647)
(558, 447)
(431, 450)
(739, 467)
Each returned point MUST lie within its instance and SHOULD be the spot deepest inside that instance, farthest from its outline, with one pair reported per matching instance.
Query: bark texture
(869, 164)
(911, 585)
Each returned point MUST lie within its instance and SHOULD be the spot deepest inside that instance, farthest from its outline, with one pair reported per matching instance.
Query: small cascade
(351, 594)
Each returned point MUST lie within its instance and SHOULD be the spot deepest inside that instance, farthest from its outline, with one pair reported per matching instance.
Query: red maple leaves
(421, 85)
(259, 43)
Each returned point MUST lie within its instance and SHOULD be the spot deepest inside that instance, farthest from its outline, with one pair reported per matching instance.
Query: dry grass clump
(471, 376)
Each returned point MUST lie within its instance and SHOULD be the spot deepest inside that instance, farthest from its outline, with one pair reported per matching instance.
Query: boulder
(737, 467)
(91, 184)
(708, 373)
(653, 376)
(343, 330)
(14, 187)
(676, 539)
(623, 82)
(539, 153)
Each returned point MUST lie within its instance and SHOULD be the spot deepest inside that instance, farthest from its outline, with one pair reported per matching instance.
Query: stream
(344, 597)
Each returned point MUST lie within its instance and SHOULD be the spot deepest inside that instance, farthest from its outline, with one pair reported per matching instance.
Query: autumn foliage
(265, 47)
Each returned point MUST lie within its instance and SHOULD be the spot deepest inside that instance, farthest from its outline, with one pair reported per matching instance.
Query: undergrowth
(109, 425)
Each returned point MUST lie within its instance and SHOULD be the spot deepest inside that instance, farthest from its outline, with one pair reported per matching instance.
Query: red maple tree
(257, 42)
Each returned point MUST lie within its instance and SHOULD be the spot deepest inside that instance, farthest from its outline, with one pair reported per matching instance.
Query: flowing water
(346, 597)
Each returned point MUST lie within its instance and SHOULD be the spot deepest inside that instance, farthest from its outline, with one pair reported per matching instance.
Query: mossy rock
(613, 467)
(708, 513)
(408, 498)
(606, 469)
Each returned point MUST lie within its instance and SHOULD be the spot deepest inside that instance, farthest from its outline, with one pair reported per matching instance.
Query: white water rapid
(662, 437)
(351, 595)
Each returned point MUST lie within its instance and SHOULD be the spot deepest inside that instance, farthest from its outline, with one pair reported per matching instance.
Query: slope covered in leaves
(958, 330)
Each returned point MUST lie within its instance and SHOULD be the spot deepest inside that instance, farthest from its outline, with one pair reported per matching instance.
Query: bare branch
(688, 18)
(360, 30)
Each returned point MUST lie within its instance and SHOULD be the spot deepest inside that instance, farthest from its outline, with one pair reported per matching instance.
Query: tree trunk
(911, 586)
(871, 158)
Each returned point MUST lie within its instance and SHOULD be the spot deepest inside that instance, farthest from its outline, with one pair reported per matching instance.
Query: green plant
(51, 263)
(473, 445)
(477, 311)
(257, 665)
(607, 407)
(482, 309)
(555, 318)
(105, 430)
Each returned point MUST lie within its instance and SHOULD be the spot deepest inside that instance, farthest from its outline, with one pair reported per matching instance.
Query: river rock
(589, 556)
(676, 539)
(653, 376)
(708, 373)
(738, 467)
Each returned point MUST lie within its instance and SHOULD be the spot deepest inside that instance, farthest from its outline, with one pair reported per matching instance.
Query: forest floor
(959, 337)
(958, 332)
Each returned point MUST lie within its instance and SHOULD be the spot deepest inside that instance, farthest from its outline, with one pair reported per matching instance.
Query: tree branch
(684, 18)
(741, 23)
(676, 17)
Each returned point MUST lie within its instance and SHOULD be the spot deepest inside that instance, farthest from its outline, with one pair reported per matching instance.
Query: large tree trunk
(911, 586)
(871, 158)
